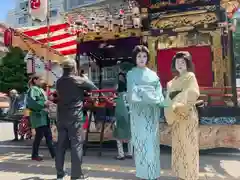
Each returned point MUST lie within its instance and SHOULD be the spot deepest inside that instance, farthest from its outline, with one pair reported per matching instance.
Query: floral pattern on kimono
(144, 120)
(184, 121)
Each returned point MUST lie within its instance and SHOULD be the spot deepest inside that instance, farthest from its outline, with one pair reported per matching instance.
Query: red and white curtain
(60, 39)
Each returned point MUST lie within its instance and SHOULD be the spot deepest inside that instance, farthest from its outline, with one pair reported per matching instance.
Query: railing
(218, 96)
(211, 95)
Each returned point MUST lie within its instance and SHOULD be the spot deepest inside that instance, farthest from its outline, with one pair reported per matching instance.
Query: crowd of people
(138, 106)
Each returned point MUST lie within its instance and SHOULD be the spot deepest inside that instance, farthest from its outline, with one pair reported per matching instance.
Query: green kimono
(35, 102)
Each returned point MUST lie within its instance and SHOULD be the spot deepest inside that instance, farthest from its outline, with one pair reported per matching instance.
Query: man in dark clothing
(70, 92)
(14, 105)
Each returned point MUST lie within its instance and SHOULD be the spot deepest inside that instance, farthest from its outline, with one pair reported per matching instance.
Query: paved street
(15, 163)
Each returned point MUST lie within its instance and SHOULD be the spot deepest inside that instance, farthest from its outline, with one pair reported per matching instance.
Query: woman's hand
(166, 103)
(178, 107)
(47, 103)
(51, 98)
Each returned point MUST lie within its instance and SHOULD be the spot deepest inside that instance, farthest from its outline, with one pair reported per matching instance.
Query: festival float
(107, 33)
(197, 26)
(200, 27)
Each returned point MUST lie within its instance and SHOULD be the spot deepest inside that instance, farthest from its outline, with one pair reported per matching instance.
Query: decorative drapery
(202, 59)
(59, 40)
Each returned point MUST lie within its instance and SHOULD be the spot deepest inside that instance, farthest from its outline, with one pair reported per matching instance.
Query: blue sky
(5, 7)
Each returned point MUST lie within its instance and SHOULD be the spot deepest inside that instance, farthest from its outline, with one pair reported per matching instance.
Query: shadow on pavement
(218, 164)
(34, 171)
(37, 178)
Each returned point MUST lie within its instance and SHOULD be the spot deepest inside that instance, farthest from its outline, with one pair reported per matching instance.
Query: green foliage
(13, 73)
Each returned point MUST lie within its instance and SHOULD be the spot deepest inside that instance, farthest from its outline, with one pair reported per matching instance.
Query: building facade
(3, 48)
(19, 16)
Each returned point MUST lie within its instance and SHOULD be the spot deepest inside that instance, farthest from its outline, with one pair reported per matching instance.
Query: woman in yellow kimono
(182, 93)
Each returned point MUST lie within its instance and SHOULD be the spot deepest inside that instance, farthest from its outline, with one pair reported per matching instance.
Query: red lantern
(35, 4)
(8, 37)
(121, 12)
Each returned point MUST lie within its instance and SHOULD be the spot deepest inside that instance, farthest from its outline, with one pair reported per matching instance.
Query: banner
(38, 9)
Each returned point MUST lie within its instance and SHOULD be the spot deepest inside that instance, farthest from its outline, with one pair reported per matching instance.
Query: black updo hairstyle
(188, 59)
(138, 49)
(33, 78)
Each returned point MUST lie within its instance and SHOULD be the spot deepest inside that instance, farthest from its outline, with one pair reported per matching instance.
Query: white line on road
(43, 147)
(99, 167)
(18, 146)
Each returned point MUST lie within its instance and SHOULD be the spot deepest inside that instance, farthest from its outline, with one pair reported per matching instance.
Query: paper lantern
(135, 11)
(38, 9)
(30, 65)
(121, 12)
(8, 37)
(136, 22)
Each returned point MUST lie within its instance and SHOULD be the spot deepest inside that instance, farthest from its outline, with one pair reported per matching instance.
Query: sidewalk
(16, 164)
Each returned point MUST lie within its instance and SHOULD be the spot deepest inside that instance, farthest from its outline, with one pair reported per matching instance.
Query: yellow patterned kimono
(184, 121)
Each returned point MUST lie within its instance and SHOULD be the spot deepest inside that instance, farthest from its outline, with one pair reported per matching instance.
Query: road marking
(101, 167)
(18, 146)
(44, 147)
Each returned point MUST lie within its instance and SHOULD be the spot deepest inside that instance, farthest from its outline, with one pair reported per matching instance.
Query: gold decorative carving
(184, 21)
(168, 3)
(200, 38)
(153, 52)
(217, 63)
(210, 136)
(184, 40)
(144, 10)
(106, 35)
(228, 70)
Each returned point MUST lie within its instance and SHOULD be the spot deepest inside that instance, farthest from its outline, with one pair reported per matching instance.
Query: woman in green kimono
(122, 128)
(37, 103)
(145, 99)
